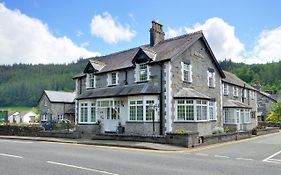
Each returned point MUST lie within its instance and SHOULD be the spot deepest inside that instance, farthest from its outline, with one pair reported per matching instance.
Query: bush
(275, 115)
(183, 131)
(218, 130)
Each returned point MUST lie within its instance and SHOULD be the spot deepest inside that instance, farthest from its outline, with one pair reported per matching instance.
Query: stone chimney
(258, 85)
(156, 33)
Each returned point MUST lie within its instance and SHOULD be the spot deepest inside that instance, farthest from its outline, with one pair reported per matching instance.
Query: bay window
(195, 110)
(142, 109)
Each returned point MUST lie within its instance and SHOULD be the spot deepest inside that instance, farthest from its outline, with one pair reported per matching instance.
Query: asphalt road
(261, 155)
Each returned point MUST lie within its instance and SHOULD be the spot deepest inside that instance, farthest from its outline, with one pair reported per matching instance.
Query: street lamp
(151, 109)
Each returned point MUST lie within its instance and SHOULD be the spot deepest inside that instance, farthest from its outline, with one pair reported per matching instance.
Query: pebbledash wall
(200, 65)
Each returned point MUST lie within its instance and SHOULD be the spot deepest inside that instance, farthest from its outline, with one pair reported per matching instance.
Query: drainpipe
(126, 77)
(161, 99)
(243, 91)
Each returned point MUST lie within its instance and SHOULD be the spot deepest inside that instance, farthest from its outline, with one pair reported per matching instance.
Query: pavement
(112, 143)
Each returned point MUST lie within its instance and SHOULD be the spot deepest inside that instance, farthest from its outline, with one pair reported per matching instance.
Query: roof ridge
(145, 45)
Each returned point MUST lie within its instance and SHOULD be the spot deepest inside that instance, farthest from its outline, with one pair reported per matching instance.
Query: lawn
(20, 108)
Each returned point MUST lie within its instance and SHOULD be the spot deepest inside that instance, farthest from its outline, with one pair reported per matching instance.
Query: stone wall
(141, 128)
(88, 130)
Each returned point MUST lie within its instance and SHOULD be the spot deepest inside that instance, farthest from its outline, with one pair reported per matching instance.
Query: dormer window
(142, 72)
(112, 78)
(91, 80)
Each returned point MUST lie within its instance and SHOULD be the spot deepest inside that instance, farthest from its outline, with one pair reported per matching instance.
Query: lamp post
(152, 108)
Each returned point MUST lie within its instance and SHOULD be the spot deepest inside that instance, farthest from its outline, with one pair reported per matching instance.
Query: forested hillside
(269, 75)
(22, 84)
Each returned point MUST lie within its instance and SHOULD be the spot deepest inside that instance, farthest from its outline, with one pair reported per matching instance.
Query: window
(186, 72)
(201, 109)
(136, 110)
(235, 91)
(247, 117)
(84, 113)
(142, 110)
(112, 78)
(45, 103)
(91, 81)
(225, 89)
(185, 110)
(149, 109)
(195, 110)
(93, 112)
(211, 79)
(142, 72)
(245, 94)
(212, 110)
(229, 118)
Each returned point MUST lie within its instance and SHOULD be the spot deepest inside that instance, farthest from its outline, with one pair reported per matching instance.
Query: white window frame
(186, 104)
(211, 79)
(144, 105)
(110, 78)
(91, 77)
(245, 94)
(88, 110)
(138, 72)
(188, 68)
(225, 89)
(235, 91)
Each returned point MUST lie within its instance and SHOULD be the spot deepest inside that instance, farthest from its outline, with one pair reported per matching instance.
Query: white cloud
(110, 30)
(174, 32)
(79, 33)
(267, 47)
(85, 44)
(225, 44)
(221, 37)
(27, 40)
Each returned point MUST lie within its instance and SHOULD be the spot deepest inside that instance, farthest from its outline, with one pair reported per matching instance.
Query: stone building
(239, 103)
(56, 106)
(265, 103)
(161, 87)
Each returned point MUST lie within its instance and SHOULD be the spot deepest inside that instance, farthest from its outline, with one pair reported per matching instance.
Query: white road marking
(201, 154)
(10, 155)
(271, 160)
(82, 168)
(15, 141)
(240, 158)
(220, 156)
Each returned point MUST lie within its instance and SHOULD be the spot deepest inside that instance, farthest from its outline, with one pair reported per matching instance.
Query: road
(261, 155)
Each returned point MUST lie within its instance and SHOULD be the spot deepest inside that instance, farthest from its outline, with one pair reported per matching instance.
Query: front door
(111, 120)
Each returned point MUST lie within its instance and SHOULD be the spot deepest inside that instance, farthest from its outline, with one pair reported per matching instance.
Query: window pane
(181, 112)
(132, 113)
(139, 112)
(189, 112)
(143, 72)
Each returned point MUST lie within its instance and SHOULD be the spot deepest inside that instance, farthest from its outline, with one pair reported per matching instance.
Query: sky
(42, 32)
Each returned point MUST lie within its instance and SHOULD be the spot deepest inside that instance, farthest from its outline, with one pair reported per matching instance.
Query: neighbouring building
(56, 106)
(157, 88)
(239, 103)
(22, 117)
(265, 103)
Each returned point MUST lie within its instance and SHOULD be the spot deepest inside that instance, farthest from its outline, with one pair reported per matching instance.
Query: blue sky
(40, 31)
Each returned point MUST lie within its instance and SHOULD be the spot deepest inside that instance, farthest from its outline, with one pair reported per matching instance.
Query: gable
(143, 56)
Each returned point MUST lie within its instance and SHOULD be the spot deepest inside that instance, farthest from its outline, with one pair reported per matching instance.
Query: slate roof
(228, 103)
(190, 93)
(233, 79)
(59, 96)
(267, 95)
(130, 90)
(163, 51)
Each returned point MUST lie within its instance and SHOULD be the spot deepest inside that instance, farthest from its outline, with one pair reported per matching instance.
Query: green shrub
(218, 130)
(183, 131)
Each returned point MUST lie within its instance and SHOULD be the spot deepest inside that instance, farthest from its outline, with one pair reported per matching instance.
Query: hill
(269, 75)
(22, 84)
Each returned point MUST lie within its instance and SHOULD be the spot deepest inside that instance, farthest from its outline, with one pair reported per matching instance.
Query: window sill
(88, 123)
(144, 81)
(89, 88)
(142, 121)
(193, 121)
(111, 85)
(211, 87)
(188, 82)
